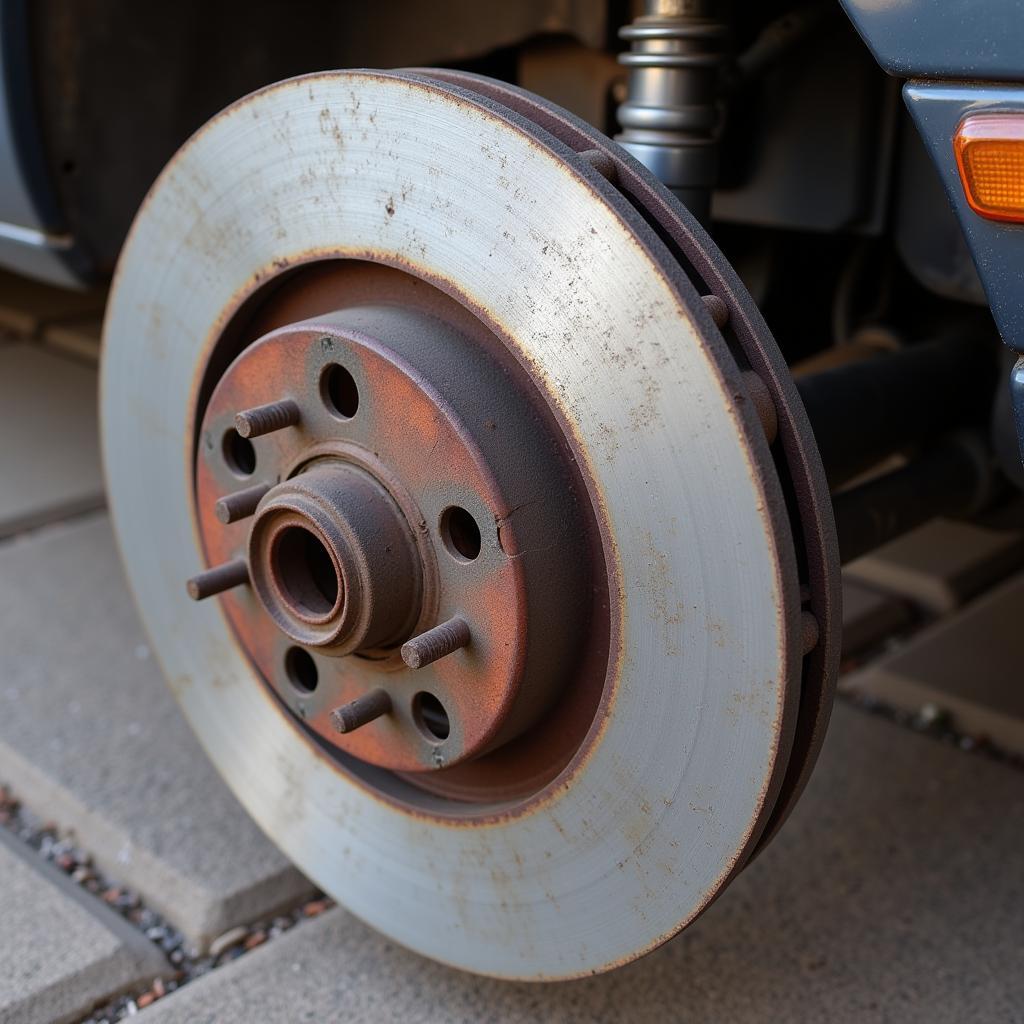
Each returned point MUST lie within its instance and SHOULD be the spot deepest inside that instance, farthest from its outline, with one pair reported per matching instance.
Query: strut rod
(864, 411)
(670, 115)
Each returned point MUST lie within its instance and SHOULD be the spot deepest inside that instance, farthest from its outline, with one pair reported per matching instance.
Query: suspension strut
(670, 116)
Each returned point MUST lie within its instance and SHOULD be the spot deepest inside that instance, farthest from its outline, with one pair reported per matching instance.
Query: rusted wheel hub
(333, 561)
(406, 486)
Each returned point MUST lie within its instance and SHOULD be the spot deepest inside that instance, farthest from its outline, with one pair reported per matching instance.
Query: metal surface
(927, 230)
(1017, 399)
(216, 580)
(33, 237)
(362, 711)
(358, 546)
(670, 115)
(101, 147)
(688, 760)
(809, 144)
(523, 766)
(938, 39)
(440, 641)
(239, 504)
(997, 248)
(265, 419)
(332, 559)
(761, 396)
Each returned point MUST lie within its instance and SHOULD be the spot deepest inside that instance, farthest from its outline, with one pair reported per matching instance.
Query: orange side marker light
(990, 155)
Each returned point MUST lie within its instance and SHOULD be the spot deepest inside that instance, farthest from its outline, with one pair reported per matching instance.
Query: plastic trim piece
(996, 247)
(977, 39)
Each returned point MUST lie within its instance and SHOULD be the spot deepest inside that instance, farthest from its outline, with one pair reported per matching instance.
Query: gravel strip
(61, 850)
(930, 719)
(933, 721)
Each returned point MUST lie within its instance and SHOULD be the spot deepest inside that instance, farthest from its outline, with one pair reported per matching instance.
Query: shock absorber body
(670, 115)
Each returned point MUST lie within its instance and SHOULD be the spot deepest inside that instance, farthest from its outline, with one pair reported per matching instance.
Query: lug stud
(435, 643)
(240, 505)
(218, 579)
(265, 419)
(361, 711)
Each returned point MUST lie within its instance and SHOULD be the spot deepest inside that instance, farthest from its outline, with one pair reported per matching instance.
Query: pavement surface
(967, 666)
(49, 451)
(894, 893)
(945, 563)
(60, 953)
(90, 737)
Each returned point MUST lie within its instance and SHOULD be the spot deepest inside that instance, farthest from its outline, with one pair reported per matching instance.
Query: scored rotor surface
(685, 760)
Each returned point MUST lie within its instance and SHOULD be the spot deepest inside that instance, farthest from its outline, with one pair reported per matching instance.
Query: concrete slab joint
(62, 952)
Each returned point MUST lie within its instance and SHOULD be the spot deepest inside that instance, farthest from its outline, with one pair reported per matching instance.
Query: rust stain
(329, 126)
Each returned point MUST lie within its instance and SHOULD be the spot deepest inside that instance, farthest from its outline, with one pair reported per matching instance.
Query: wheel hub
(393, 513)
(333, 562)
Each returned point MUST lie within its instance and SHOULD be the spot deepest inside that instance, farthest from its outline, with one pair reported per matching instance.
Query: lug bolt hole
(339, 391)
(431, 717)
(305, 572)
(239, 453)
(460, 533)
(301, 670)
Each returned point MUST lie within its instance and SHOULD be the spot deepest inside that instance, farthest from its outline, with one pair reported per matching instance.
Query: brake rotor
(507, 647)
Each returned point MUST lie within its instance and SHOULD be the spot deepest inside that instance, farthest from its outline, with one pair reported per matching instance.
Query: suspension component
(952, 477)
(670, 116)
(869, 409)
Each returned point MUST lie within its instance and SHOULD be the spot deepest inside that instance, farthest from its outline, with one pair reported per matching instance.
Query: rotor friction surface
(683, 763)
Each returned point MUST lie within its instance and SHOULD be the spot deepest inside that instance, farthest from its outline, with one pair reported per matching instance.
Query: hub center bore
(305, 572)
(333, 562)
